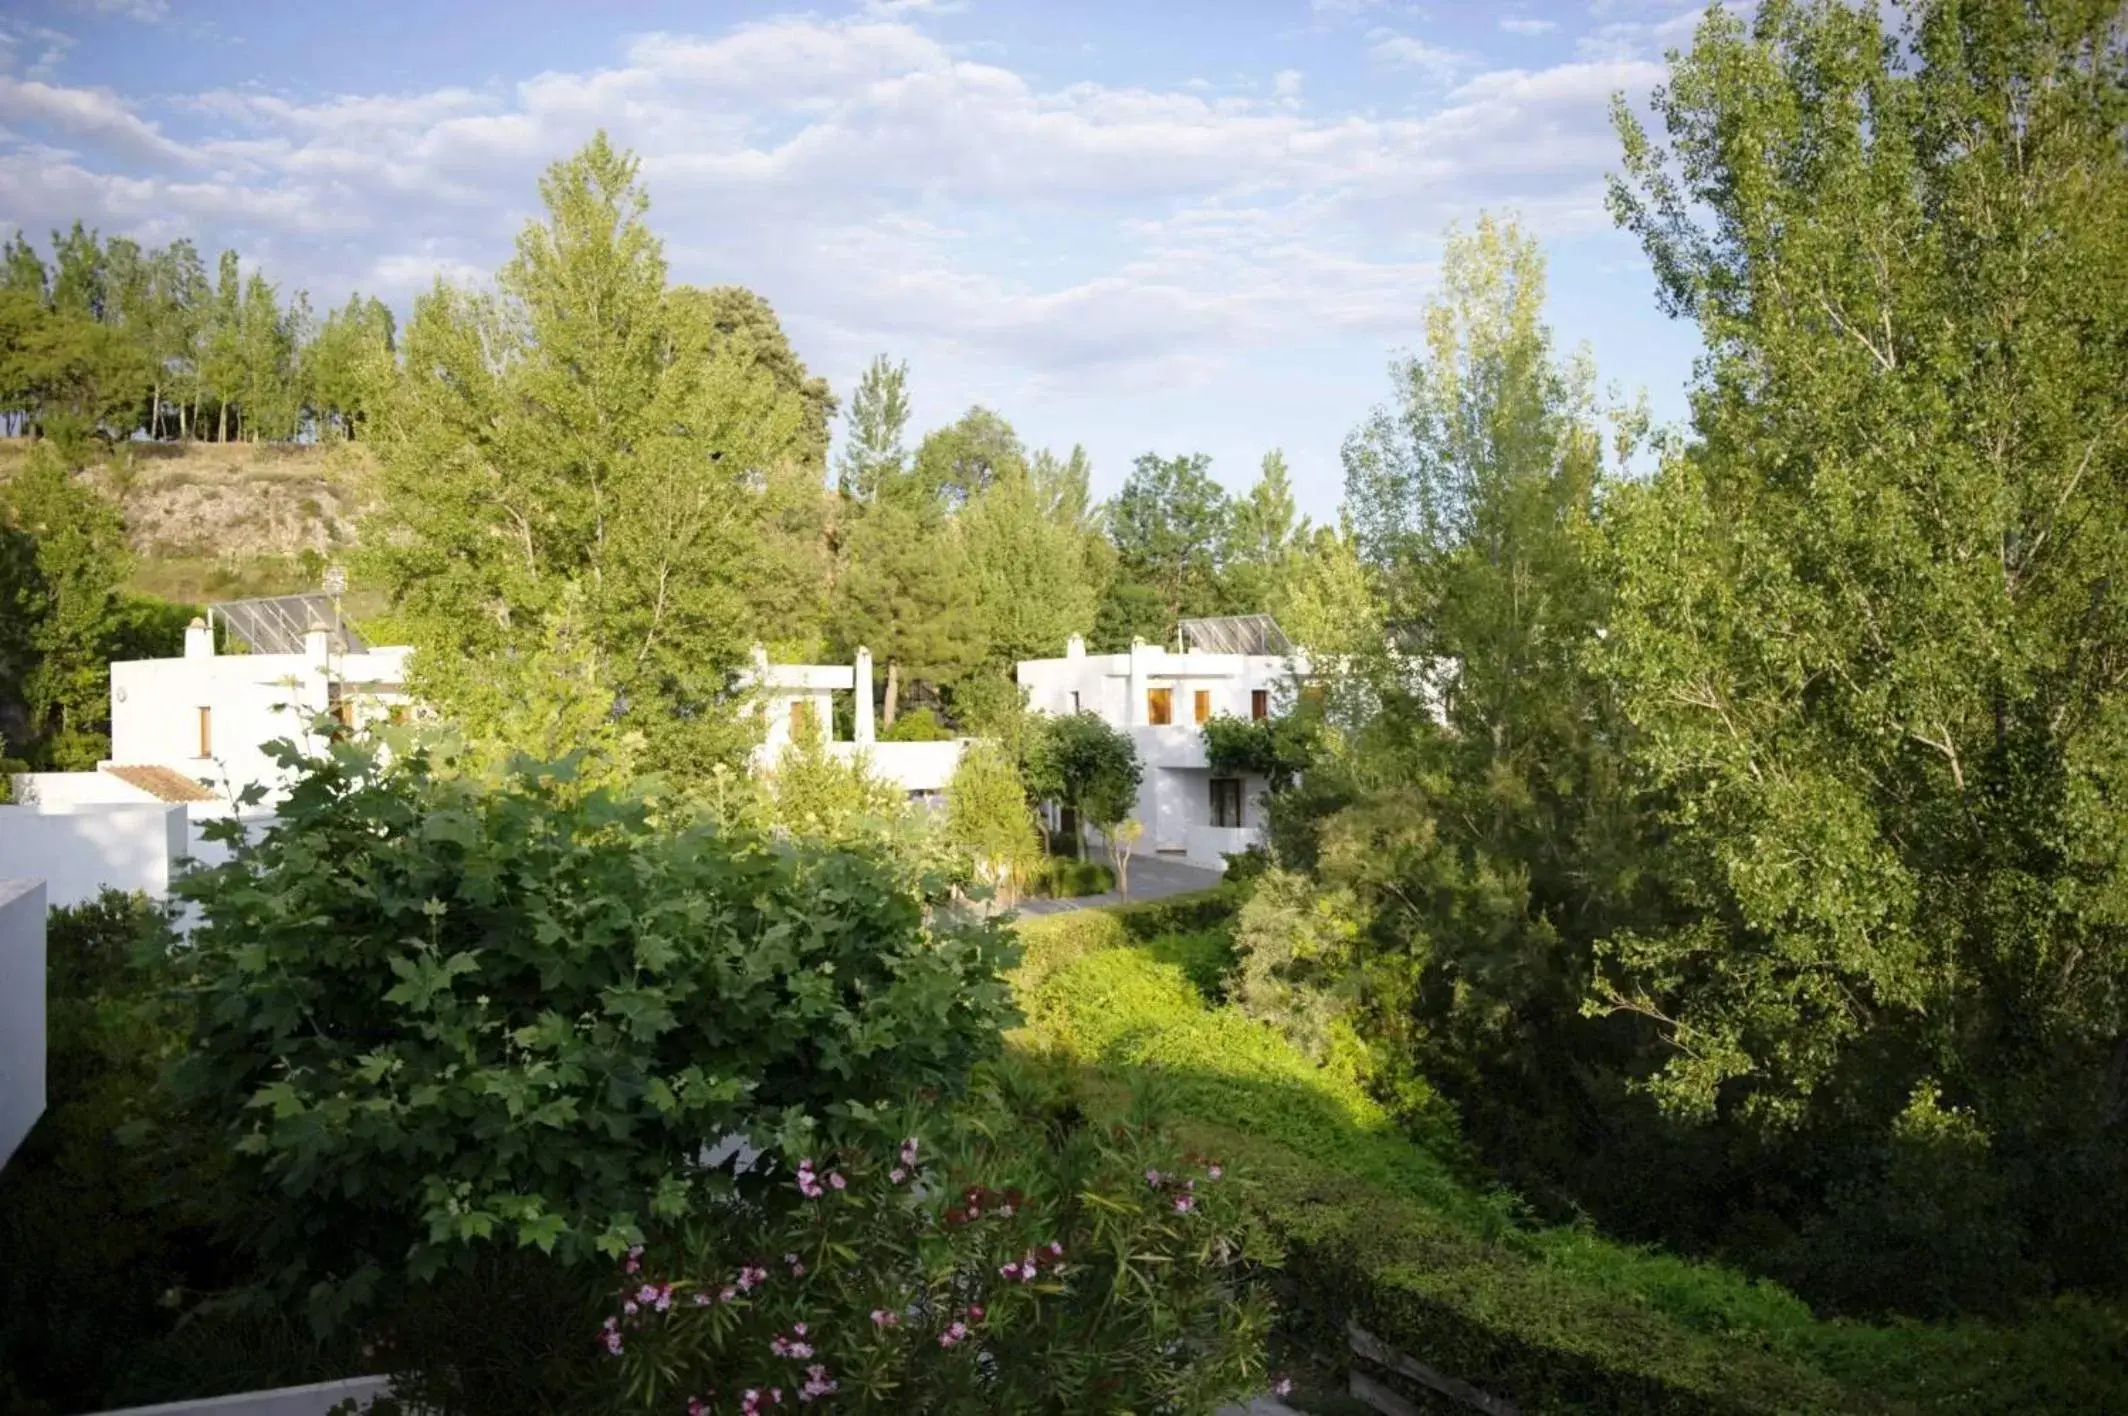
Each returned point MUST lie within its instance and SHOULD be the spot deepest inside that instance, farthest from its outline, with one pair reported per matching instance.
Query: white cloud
(87, 113)
(1518, 25)
(146, 11)
(882, 189)
(1433, 60)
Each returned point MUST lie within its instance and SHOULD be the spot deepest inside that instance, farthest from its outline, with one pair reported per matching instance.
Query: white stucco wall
(78, 851)
(252, 699)
(912, 766)
(314, 1400)
(67, 789)
(22, 1098)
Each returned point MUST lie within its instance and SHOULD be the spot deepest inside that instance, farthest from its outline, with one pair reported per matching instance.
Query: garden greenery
(433, 1012)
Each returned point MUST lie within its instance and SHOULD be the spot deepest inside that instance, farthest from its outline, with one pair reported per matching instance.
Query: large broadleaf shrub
(435, 1012)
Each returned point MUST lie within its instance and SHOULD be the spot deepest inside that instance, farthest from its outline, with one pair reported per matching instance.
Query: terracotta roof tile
(162, 783)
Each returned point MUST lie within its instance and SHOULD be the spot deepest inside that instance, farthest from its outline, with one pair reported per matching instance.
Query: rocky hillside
(214, 521)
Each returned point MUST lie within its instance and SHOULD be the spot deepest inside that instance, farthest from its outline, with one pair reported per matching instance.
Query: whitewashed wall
(65, 789)
(80, 850)
(314, 1400)
(21, 1011)
(911, 766)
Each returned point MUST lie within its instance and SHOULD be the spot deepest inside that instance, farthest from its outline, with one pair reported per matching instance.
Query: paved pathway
(1152, 877)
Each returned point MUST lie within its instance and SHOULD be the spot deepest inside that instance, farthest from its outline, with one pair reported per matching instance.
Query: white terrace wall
(315, 1400)
(79, 851)
(21, 1011)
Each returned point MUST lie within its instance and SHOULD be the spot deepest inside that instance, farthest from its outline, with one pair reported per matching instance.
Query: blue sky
(1174, 225)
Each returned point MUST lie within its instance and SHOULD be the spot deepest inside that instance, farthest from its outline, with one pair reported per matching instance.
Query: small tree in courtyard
(1090, 767)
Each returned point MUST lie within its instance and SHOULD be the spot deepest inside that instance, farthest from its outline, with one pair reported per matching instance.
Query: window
(1259, 704)
(1075, 700)
(1226, 801)
(1204, 704)
(801, 719)
(206, 732)
(1160, 706)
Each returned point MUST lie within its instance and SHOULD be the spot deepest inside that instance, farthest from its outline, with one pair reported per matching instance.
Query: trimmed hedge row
(1384, 1226)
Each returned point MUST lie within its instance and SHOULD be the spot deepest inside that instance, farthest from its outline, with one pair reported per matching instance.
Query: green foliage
(1296, 947)
(1276, 749)
(63, 618)
(1169, 525)
(987, 816)
(432, 1015)
(1860, 625)
(1091, 767)
(1091, 1264)
(98, 1230)
(1068, 878)
(879, 416)
(916, 725)
(1383, 1225)
(533, 453)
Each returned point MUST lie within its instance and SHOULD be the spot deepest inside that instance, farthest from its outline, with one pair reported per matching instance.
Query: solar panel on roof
(1235, 634)
(276, 624)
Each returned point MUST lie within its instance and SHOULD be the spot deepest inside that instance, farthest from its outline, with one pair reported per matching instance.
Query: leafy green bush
(1024, 1266)
(103, 1246)
(433, 1011)
(916, 725)
(1276, 749)
(1066, 878)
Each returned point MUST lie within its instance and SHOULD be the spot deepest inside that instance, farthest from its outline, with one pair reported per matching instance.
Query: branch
(1883, 357)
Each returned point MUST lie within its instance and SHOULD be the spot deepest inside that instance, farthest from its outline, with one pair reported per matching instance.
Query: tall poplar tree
(580, 438)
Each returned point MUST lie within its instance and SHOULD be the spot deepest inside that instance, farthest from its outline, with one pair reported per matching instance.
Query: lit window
(1259, 703)
(1160, 706)
(1226, 801)
(1204, 704)
(206, 732)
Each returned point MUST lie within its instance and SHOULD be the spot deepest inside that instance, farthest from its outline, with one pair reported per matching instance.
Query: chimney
(317, 643)
(864, 695)
(1075, 647)
(199, 639)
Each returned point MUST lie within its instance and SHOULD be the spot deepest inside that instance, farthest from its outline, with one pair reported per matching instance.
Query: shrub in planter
(1020, 1267)
(1065, 878)
(431, 1013)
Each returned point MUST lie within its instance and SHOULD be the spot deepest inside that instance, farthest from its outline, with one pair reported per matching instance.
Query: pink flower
(1152, 1178)
(646, 1294)
(1213, 1172)
(798, 1328)
(695, 1407)
(836, 1181)
(975, 1312)
(882, 1318)
(702, 1299)
(1056, 1250)
(629, 1307)
(908, 1153)
(1282, 1387)
(895, 1175)
(727, 1293)
(1184, 1204)
(1009, 1271)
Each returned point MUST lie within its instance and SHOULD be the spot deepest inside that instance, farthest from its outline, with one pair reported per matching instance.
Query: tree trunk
(155, 412)
(886, 717)
(221, 422)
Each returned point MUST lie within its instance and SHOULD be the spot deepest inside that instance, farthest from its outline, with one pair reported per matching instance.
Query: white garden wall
(80, 850)
(21, 1011)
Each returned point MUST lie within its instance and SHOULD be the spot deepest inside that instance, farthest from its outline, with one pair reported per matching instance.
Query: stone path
(1152, 877)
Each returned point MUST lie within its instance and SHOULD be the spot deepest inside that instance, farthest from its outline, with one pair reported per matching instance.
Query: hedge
(1390, 1227)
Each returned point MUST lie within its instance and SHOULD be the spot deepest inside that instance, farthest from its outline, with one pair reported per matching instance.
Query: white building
(791, 695)
(195, 728)
(1163, 698)
(22, 967)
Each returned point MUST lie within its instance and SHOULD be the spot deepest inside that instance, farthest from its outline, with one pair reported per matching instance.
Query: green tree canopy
(582, 428)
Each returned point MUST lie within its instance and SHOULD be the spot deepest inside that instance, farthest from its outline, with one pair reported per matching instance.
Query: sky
(1161, 225)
